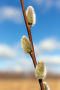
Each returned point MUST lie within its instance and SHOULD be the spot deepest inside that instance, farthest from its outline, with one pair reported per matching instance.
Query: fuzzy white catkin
(41, 70)
(46, 87)
(26, 45)
(31, 16)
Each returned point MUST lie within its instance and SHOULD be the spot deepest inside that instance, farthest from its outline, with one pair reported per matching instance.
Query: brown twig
(41, 84)
(29, 34)
(32, 54)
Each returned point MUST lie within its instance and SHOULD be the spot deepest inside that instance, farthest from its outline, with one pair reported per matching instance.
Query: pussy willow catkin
(26, 45)
(31, 16)
(41, 70)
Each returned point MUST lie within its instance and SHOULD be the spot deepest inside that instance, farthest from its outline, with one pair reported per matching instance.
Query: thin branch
(41, 84)
(32, 54)
(29, 33)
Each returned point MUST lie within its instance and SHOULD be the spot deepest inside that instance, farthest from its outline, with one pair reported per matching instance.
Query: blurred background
(16, 68)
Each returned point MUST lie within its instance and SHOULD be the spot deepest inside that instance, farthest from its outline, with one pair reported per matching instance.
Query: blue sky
(45, 34)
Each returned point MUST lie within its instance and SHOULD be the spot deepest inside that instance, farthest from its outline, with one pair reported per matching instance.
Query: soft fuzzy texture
(46, 87)
(26, 45)
(31, 16)
(41, 70)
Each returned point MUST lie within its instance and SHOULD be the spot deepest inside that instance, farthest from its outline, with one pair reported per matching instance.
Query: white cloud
(48, 3)
(49, 44)
(25, 63)
(57, 4)
(11, 13)
(50, 59)
(6, 51)
(16, 69)
(12, 69)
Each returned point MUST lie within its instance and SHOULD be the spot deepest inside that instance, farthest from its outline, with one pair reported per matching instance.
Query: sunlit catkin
(46, 87)
(26, 45)
(31, 17)
(41, 70)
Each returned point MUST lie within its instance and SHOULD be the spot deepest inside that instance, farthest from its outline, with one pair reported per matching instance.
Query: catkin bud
(41, 70)
(26, 45)
(31, 17)
(46, 87)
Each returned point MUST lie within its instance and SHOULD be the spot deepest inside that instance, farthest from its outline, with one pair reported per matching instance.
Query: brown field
(27, 84)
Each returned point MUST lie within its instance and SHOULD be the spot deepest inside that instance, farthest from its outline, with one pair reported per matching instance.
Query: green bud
(26, 45)
(40, 70)
(31, 17)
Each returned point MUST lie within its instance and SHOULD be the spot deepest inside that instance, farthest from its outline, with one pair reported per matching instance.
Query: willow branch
(32, 54)
(29, 33)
